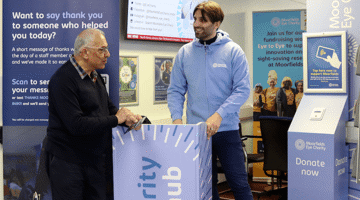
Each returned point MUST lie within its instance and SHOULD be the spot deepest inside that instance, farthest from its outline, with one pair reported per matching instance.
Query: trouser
(256, 116)
(268, 113)
(227, 146)
(72, 181)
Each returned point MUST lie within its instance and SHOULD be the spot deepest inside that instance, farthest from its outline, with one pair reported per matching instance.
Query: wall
(146, 50)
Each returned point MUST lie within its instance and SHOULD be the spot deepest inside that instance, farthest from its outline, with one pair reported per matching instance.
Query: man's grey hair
(83, 41)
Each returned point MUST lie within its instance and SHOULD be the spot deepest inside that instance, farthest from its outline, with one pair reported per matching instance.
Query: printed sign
(38, 38)
(163, 68)
(128, 80)
(311, 162)
(325, 62)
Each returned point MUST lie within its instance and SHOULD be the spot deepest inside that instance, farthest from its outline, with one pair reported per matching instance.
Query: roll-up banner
(38, 37)
(277, 58)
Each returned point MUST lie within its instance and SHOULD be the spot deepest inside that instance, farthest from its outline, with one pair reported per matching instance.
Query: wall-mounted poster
(163, 67)
(128, 80)
(325, 62)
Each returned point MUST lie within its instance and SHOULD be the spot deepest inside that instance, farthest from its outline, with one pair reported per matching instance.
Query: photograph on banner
(325, 62)
(24, 163)
(278, 69)
(128, 80)
(163, 67)
(278, 62)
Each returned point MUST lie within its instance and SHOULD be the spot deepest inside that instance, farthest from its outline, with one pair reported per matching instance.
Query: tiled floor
(256, 187)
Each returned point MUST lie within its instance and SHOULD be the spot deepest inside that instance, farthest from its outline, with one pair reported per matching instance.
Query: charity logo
(275, 21)
(300, 144)
(215, 65)
(333, 85)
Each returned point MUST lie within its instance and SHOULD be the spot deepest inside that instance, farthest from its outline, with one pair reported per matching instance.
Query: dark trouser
(256, 116)
(227, 146)
(76, 182)
(268, 113)
(289, 111)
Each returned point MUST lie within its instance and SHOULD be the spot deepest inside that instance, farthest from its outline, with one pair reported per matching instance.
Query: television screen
(161, 20)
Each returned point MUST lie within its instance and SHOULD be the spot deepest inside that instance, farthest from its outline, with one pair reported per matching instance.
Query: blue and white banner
(277, 45)
(38, 38)
(162, 162)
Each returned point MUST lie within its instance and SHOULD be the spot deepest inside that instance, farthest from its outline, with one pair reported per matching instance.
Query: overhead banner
(38, 38)
(162, 162)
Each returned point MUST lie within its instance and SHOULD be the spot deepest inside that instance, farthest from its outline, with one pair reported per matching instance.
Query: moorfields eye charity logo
(275, 21)
(300, 144)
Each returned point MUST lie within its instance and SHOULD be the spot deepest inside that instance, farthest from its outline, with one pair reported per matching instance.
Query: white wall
(146, 51)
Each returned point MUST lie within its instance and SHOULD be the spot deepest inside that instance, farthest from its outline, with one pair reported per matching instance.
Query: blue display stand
(162, 162)
(317, 155)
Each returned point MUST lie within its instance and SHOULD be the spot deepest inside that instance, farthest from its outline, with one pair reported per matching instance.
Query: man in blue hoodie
(214, 72)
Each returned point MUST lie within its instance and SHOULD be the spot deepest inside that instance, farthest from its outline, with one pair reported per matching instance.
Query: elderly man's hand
(130, 121)
(125, 115)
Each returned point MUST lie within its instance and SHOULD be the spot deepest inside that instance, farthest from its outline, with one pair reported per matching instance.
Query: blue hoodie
(216, 78)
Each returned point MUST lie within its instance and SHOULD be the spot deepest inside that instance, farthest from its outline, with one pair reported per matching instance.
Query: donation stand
(317, 153)
(162, 162)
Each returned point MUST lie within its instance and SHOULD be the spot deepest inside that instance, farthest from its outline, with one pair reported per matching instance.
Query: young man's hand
(177, 121)
(213, 124)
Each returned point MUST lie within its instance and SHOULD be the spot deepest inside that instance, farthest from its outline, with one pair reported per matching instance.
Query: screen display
(159, 20)
(324, 52)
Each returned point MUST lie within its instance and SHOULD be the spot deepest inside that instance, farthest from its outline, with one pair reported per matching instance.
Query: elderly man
(81, 116)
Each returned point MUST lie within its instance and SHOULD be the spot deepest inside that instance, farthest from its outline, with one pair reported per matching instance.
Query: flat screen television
(161, 20)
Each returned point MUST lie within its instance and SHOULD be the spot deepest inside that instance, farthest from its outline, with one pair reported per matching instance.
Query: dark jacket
(81, 116)
(287, 110)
